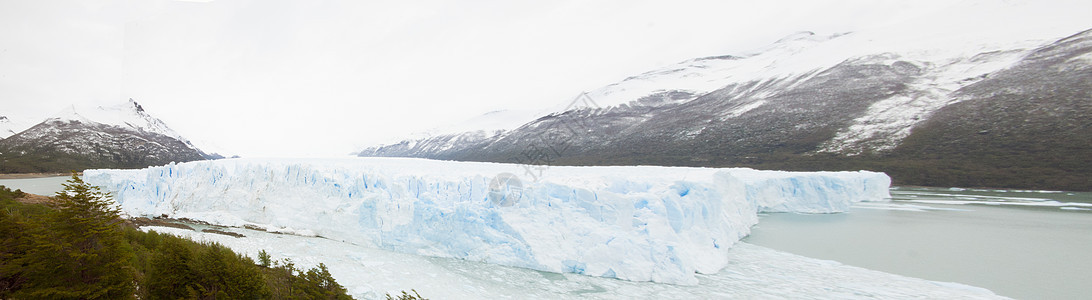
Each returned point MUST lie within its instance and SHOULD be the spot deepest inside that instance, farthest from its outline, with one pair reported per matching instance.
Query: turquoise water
(1021, 244)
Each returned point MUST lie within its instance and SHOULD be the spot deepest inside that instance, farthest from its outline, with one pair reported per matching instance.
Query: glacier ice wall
(637, 223)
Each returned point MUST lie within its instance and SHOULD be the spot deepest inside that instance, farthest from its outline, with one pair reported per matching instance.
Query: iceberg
(637, 223)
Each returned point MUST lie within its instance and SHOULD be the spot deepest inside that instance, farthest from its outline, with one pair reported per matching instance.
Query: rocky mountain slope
(122, 136)
(981, 114)
(1028, 125)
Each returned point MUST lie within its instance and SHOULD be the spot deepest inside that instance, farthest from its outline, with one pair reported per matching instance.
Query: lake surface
(1022, 244)
(45, 186)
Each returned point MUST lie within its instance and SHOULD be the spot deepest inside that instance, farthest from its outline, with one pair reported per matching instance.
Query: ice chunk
(635, 223)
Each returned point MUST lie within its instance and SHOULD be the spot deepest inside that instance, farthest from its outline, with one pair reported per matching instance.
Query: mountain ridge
(859, 113)
(78, 138)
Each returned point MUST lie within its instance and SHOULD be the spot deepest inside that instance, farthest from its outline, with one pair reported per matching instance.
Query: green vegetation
(6, 193)
(49, 160)
(45, 161)
(287, 282)
(407, 296)
(263, 259)
(78, 248)
(76, 251)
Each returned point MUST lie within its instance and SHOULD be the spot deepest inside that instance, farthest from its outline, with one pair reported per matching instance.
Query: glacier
(753, 272)
(637, 223)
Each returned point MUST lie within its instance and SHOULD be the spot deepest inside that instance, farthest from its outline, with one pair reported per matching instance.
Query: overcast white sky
(321, 78)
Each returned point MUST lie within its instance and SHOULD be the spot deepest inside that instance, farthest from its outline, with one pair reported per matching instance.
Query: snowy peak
(795, 42)
(796, 55)
(5, 127)
(129, 115)
(799, 36)
(1075, 44)
(136, 106)
(9, 127)
(801, 55)
(82, 137)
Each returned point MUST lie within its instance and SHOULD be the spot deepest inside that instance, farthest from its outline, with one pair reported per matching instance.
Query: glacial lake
(45, 186)
(1021, 244)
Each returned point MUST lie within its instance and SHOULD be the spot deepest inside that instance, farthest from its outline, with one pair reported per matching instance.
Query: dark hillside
(1026, 127)
(61, 146)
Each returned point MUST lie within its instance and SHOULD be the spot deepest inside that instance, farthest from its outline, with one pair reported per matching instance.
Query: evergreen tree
(223, 274)
(13, 242)
(78, 251)
(169, 274)
(317, 283)
(263, 259)
(407, 296)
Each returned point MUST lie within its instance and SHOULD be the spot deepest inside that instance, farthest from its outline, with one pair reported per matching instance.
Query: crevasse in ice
(637, 223)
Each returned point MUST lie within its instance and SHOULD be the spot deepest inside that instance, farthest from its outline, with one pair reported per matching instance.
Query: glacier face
(641, 223)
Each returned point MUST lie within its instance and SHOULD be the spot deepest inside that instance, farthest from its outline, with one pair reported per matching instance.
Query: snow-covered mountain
(9, 127)
(843, 101)
(5, 127)
(76, 138)
(127, 115)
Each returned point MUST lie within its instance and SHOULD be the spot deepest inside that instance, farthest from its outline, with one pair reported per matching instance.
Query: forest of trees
(77, 247)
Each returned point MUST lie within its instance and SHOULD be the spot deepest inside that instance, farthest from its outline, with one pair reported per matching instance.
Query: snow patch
(742, 109)
(887, 122)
